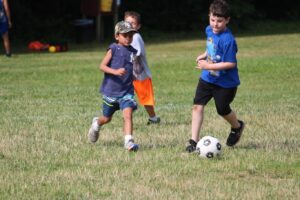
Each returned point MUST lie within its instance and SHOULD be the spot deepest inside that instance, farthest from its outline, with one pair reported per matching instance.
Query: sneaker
(131, 146)
(8, 55)
(191, 147)
(150, 121)
(93, 134)
(235, 134)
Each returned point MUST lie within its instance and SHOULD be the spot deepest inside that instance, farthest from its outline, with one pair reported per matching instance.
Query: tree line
(53, 19)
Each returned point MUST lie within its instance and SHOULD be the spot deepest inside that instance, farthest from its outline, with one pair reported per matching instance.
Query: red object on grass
(37, 46)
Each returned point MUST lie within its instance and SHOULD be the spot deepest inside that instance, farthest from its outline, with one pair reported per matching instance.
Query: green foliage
(48, 100)
(52, 20)
(43, 20)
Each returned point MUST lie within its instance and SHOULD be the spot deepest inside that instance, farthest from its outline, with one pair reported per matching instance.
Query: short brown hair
(219, 8)
(133, 14)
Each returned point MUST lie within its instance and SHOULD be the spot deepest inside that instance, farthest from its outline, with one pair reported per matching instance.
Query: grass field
(47, 102)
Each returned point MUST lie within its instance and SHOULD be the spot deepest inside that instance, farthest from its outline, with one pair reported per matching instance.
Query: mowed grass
(47, 102)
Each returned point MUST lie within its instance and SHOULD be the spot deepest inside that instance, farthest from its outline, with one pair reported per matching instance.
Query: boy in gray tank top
(117, 88)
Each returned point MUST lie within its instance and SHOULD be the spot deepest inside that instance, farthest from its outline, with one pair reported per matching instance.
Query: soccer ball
(208, 147)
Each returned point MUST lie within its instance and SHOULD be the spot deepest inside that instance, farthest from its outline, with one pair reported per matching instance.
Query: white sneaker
(93, 134)
(131, 146)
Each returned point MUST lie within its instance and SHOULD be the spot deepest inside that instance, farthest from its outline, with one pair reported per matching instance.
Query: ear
(139, 26)
(227, 20)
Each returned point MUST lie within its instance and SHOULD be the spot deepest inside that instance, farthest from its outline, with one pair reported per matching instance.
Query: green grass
(47, 102)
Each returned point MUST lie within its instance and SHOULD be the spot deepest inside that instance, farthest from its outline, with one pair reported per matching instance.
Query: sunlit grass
(48, 100)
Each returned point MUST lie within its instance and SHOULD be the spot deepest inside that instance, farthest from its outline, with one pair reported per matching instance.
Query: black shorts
(222, 96)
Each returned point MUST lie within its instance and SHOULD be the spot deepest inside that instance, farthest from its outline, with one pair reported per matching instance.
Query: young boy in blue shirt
(219, 78)
(117, 87)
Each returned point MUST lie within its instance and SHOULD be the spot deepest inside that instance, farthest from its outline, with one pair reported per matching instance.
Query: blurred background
(84, 21)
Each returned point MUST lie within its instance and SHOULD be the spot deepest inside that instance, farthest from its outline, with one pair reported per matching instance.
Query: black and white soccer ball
(209, 147)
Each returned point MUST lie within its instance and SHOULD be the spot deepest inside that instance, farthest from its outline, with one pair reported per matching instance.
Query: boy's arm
(201, 57)
(203, 64)
(137, 43)
(105, 68)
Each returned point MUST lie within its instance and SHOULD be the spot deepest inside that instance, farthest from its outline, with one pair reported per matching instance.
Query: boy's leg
(232, 119)
(94, 130)
(127, 116)
(128, 105)
(128, 130)
(197, 120)
(223, 97)
(153, 119)
(150, 110)
(110, 105)
(6, 44)
(202, 97)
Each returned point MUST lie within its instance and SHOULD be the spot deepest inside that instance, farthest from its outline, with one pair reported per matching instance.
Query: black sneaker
(235, 134)
(150, 121)
(191, 146)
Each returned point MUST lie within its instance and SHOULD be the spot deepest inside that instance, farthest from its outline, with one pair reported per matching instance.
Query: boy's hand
(202, 64)
(120, 72)
(200, 58)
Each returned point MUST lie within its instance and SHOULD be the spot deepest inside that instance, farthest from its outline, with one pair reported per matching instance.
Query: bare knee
(198, 108)
(104, 120)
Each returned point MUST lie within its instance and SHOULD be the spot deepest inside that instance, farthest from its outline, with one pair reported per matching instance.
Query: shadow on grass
(250, 146)
(119, 144)
(288, 145)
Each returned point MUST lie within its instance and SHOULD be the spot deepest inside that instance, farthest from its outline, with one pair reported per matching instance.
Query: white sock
(128, 137)
(153, 118)
(96, 126)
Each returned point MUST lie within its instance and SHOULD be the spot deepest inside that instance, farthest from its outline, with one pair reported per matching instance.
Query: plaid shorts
(112, 104)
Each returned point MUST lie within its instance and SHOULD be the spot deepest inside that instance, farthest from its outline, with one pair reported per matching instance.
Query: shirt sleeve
(137, 44)
(112, 47)
(230, 50)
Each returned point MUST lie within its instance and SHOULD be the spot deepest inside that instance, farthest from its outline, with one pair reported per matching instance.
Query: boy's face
(133, 21)
(124, 39)
(218, 24)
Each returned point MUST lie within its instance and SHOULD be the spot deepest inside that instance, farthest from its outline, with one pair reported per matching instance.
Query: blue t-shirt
(221, 47)
(118, 86)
